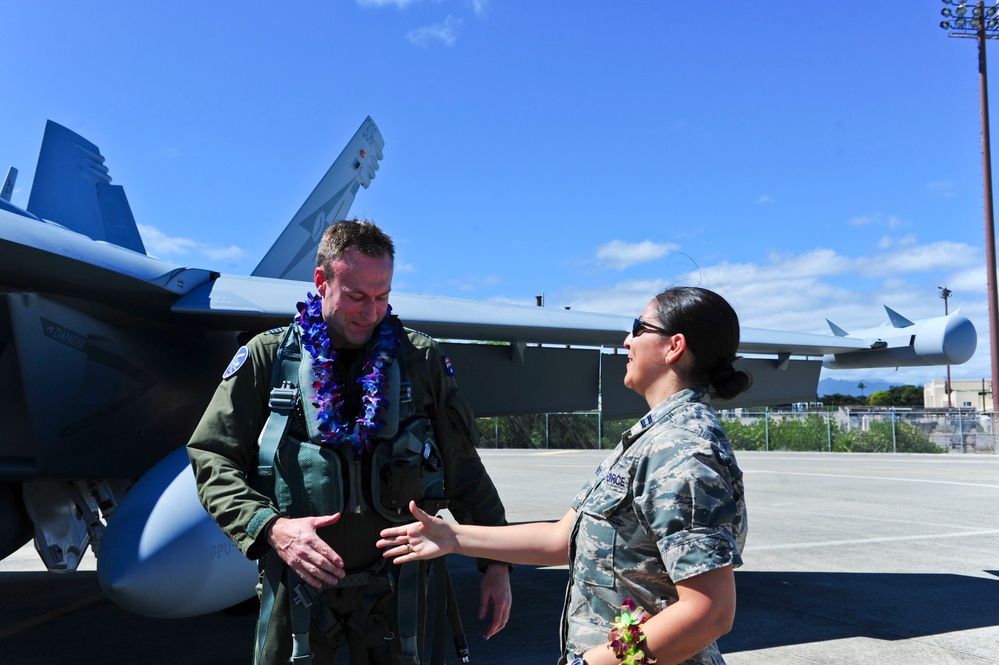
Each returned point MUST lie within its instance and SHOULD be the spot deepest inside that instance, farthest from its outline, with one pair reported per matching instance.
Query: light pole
(982, 24)
(945, 293)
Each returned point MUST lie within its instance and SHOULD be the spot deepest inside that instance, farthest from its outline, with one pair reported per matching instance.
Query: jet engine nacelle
(944, 340)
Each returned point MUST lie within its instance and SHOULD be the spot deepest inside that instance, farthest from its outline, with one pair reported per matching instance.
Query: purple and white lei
(329, 397)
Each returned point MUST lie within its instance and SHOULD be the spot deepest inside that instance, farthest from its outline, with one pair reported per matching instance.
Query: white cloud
(231, 254)
(798, 292)
(160, 244)
(968, 280)
(478, 7)
(876, 219)
(764, 200)
(403, 267)
(446, 33)
(942, 188)
(401, 4)
(935, 257)
(169, 248)
(863, 220)
(621, 255)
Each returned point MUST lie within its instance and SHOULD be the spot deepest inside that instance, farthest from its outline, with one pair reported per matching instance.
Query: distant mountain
(844, 387)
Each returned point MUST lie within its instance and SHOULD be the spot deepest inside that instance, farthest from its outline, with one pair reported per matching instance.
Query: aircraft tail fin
(72, 188)
(897, 320)
(292, 256)
(8, 184)
(836, 330)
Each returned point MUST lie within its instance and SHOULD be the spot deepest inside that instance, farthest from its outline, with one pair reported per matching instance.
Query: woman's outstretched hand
(427, 538)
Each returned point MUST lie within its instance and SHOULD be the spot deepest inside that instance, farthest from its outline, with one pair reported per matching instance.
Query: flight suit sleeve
(472, 496)
(223, 449)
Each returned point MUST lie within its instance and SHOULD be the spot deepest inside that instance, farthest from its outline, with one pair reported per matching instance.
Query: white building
(965, 393)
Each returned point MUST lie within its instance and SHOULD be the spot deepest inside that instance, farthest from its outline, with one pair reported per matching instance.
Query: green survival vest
(311, 478)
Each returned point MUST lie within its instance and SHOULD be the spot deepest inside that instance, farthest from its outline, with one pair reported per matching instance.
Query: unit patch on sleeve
(236, 362)
(447, 366)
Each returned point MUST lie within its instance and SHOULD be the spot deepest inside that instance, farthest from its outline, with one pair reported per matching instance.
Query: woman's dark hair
(711, 328)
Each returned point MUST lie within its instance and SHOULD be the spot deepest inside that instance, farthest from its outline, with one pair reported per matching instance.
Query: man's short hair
(362, 235)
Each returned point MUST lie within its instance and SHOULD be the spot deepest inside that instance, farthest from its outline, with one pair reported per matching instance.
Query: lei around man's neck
(335, 427)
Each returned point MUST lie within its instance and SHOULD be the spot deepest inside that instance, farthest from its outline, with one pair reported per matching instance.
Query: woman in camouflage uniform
(663, 521)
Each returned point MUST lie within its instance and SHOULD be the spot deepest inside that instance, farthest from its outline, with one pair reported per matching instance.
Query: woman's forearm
(534, 543)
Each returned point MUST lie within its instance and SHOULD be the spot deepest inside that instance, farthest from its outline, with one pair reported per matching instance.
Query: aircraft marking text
(68, 337)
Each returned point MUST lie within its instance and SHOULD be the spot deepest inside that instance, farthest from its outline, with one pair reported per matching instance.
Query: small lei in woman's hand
(627, 640)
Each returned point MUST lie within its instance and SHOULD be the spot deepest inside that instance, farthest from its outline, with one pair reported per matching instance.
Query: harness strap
(445, 602)
(457, 631)
(411, 597)
(441, 583)
(303, 597)
(283, 399)
(301, 615)
(273, 570)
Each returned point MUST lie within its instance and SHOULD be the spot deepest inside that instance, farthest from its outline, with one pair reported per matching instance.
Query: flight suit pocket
(409, 469)
(596, 539)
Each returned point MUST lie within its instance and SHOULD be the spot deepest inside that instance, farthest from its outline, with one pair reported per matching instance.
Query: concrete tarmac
(851, 558)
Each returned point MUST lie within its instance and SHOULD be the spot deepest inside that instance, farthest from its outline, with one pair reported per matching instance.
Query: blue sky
(806, 160)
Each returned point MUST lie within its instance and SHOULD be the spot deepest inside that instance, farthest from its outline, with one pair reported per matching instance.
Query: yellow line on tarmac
(48, 616)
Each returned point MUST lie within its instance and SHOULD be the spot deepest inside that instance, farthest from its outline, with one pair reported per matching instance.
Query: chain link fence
(844, 430)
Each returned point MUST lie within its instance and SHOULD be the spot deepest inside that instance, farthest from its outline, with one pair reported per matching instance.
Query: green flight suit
(223, 453)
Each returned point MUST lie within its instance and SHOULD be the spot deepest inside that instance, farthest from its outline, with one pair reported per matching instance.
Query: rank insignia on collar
(236, 362)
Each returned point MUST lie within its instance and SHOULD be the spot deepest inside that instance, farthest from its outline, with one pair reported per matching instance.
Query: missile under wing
(108, 357)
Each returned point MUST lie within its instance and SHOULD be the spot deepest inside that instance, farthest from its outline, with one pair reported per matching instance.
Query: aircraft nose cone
(960, 340)
(162, 555)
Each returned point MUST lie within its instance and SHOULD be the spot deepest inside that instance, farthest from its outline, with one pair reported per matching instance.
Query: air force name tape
(236, 362)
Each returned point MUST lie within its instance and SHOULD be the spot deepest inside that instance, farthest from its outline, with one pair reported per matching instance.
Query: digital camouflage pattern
(666, 505)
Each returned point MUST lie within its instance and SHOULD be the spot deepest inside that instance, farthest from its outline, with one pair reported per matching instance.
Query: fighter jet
(108, 357)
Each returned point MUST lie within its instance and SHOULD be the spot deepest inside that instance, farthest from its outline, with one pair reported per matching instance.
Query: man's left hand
(495, 591)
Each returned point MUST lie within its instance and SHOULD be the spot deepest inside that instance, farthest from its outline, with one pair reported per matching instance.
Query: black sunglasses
(639, 327)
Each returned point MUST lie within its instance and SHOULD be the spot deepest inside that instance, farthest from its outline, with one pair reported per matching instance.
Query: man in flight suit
(349, 336)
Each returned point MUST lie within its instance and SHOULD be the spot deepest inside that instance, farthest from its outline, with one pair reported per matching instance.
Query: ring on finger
(409, 547)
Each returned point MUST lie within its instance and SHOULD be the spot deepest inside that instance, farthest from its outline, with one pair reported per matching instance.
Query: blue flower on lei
(385, 346)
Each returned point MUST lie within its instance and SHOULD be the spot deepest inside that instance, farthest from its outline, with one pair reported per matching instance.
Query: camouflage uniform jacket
(665, 506)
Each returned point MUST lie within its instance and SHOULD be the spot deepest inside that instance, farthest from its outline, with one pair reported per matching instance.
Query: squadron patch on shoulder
(236, 362)
(447, 366)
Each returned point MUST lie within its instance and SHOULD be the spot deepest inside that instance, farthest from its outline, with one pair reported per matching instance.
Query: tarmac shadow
(531, 636)
(65, 618)
(48, 618)
(778, 609)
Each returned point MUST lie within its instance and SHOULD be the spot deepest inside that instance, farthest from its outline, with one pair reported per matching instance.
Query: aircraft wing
(567, 368)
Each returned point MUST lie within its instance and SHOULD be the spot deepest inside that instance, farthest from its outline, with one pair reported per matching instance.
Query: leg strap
(301, 615)
(457, 631)
(410, 597)
(273, 570)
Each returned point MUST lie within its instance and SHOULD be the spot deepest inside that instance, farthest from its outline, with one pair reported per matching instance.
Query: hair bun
(727, 381)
